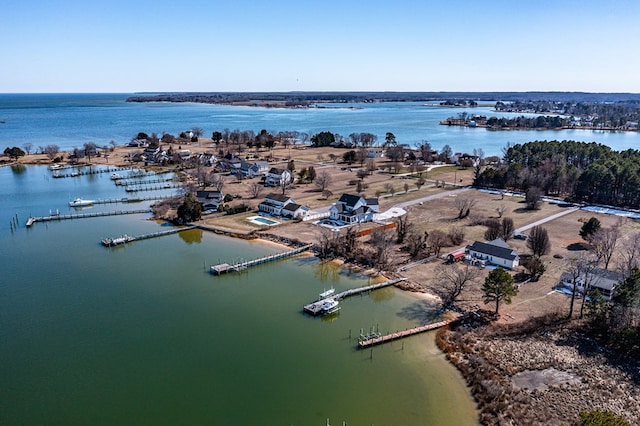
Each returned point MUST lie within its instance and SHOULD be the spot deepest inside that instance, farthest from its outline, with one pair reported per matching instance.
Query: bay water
(144, 334)
(70, 120)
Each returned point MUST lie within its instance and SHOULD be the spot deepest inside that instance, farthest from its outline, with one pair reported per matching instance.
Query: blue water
(70, 120)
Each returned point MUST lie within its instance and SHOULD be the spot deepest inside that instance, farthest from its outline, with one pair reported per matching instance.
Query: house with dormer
(276, 177)
(210, 199)
(495, 252)
(259, 168)
(354, 209)
(274, 203)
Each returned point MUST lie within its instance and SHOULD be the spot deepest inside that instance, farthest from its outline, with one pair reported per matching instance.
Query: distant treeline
(578, 171)
(611, 114)
(294, 98)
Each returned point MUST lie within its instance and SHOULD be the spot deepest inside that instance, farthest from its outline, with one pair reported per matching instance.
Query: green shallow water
(143, 334)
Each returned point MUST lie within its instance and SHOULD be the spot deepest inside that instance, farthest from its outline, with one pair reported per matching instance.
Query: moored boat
(79, 202)
(116, 176)
(329, 307)
(110, 242)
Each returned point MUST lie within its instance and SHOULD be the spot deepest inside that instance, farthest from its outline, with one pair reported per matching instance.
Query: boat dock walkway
(223, 268)
(32, 220)
(57, 174)
(138, 182)
(130, 200)
(112, 242)
(152, 188)
(378, 340)
(315, 308)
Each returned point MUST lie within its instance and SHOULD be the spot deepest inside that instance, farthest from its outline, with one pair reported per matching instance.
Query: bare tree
(323, 180)
(533, 198)
(493, 230)
(51, 151)
(464, 206)
(538, 241)
(450, 280)
(630, 255)
(501, 210)
(507, 228)
(217, 181)
(381, 241)
(419, 183)
(603, 243)
(402, 228)
(580, 271)
(370, 165)
(28, 146)
(326, 194)
(361, 174)
(435, 241)
(416, 243)
(255, 189)
(389, 188)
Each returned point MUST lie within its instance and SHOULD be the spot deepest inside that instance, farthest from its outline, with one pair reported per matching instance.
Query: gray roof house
(282, 206)
(603, 280)
(354, 209)
(210, 199)
(496, 252)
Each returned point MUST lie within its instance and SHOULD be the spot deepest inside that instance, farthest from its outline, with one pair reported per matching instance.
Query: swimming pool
(259, 220)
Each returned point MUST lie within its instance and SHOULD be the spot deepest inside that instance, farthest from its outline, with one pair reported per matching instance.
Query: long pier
(112, 242)
(32, 220)
(315, 308)
(223, 268)
(138, 182)
(131, 199)
(378, 340)
(57, 174)
(152, 188)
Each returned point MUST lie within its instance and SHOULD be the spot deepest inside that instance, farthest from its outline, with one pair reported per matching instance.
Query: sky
(129, 46)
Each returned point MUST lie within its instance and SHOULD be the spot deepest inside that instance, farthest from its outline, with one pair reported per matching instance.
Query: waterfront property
(210, 199)
(354, 209)
(496, 252)
(283, 206)
(600, 279)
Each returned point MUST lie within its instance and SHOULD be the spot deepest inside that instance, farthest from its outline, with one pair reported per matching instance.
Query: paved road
(546, 219)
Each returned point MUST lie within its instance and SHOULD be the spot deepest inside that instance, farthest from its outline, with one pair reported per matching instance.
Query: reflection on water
(191, 236)
(18, 168)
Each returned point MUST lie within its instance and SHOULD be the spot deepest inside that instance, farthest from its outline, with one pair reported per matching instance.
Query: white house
(354, 209)
(276, 177)
(600, 279)
(259, 168)
(293, 210)
(274, 203)
(496, 252)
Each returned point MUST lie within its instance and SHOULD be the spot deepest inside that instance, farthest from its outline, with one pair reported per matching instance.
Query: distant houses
(495, 252)
(354, 209)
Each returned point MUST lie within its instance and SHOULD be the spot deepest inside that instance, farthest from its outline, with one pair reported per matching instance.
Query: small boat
(329, 307)
(111, 242)
(55, 167)
(327, 293)
(79, 202)
(116, 176)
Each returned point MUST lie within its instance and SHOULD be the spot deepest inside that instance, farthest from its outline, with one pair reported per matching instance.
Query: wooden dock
(365, 343)
(131, 199)
(315, 308)
(32, 220)
(57, 174)
(223, 268)
(112, 242)
(152, 188)
(132, 182)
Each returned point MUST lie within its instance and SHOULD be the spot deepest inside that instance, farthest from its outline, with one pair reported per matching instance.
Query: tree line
(577, 171)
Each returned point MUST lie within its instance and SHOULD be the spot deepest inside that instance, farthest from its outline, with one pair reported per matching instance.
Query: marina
(319, 307)
(91, 171)
(223, 268)
(123, 239)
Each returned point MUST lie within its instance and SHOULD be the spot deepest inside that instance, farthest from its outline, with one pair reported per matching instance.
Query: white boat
(54, 167)
(79, 202)
(329, 307)
(111, 242)
(116, 176)
(327, 293)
